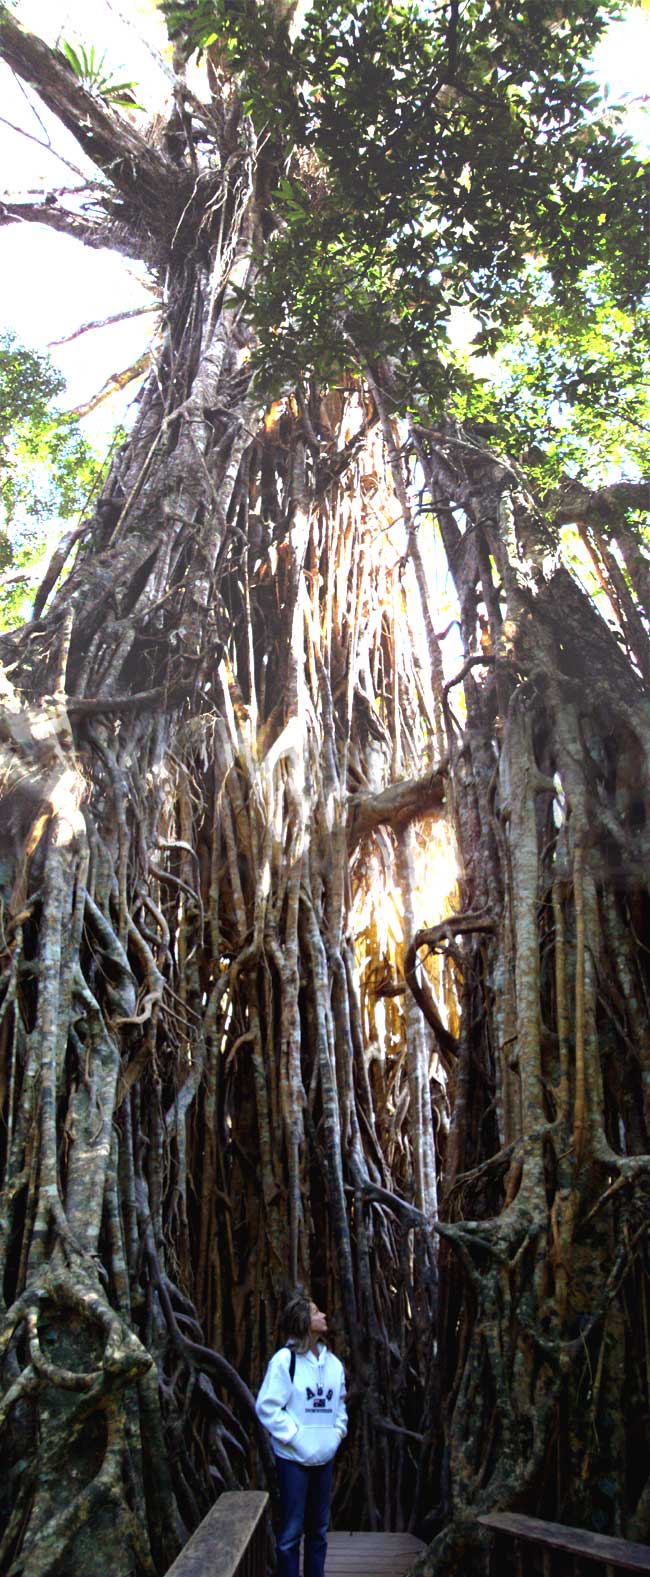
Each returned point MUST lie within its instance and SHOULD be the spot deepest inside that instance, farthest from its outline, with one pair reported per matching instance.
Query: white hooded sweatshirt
(307, 1420)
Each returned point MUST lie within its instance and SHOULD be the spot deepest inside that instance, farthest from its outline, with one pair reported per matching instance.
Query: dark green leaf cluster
(190, 21)
(430, 152)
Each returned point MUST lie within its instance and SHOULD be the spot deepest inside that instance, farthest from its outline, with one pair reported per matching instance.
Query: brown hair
(296, 1320)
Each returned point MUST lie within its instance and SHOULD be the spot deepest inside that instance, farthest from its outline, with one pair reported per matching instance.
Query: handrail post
(230, 1541)
(551, 1549)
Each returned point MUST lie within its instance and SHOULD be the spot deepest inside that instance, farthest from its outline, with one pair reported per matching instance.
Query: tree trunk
(544, 1210)
(225, 1066)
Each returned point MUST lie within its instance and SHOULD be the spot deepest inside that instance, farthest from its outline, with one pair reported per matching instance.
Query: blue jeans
(304, 1508)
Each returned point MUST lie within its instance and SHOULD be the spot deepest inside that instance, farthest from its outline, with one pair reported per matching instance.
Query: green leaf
(89, 68)
(72, 58)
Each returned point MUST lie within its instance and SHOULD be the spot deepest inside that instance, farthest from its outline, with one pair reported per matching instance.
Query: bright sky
(82, 285)
(52, 284)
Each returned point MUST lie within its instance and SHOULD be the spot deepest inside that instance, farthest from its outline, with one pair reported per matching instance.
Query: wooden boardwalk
(371, 1554)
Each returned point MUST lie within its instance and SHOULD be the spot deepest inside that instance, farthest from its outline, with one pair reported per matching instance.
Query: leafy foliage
(90, 69)
(47, 468)
(429, 159)
(193, 22)
(571, 395)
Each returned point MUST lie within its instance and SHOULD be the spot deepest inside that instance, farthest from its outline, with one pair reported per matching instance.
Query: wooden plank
(578, 1541)
(222, 1538)
(377, 1540)
(365, 1566)
(361, 1561)
(371, 1554)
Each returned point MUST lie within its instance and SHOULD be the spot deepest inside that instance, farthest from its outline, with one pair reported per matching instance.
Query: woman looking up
(301, 1403)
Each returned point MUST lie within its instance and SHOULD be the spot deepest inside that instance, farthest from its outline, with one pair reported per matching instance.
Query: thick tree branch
(162, 698)
(572, 503)
(397, 804)
(135, 169)
(89, 231)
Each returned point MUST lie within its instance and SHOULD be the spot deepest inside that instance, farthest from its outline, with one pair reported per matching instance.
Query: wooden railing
(230, 1542)
(527, 1547)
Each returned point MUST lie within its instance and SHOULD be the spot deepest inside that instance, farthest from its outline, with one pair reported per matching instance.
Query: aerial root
(124, 1359)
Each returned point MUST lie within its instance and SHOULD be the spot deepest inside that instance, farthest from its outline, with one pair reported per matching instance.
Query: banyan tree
(324, 833)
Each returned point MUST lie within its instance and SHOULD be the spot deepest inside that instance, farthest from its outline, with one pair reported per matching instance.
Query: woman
(302, 1405)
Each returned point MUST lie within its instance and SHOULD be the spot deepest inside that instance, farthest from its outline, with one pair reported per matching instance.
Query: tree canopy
(47, 469)
(433, 162)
